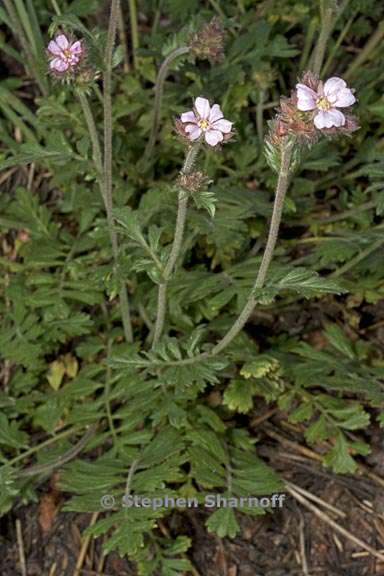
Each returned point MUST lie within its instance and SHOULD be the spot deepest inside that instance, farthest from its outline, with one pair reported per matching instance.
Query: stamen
(203, 124)
(323, 104)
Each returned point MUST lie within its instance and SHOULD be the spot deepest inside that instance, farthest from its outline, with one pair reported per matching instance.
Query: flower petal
(329, 118)
(333, 85)
(62, 41)
(189, 117)
(337, 117)
(76, 48)
(73, 60)
(344, 98)
(215, 113)
(203, 107)
(59, 65)
(306, 98)
(213, 137)
(223, 125)
(53, 48)
(194, 132)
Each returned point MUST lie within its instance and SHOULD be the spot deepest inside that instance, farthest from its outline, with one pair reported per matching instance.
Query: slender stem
(107, 390)
(56, 7)
(134, 30)
(365, 54)
(311, 31)
(92, 130)
(259, 116)
(38, 447)
(61, 460)
(330, 15)
(281, 189)
(216, 6)
(176, 247)
(123, 39)
(107, 177)
(161, 76)
(321, 46)
(358, 258)
(97, 159)
(131, 473)
(338, 43)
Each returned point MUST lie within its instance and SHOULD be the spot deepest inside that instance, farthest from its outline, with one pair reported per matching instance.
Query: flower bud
(193, 181)
(208, 43)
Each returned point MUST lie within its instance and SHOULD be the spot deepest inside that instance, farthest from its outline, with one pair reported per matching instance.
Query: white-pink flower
(206, 120)
(329, 97)
(64, 54)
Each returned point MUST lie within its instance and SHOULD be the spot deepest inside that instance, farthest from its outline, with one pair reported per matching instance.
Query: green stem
(61, 460)
(358, 258)
(134, 30)
(327, 21)
(311, 31)
(107, 176)
(161, 76)
(366, 52)
(176, 247)
(281, 189)
(216, 6)
(56, 7)
(44, 444)
(123, 39)
(329, 17)
(259, 116)
(93, 134)
(337, 45)
(108, 377)
(98, 162)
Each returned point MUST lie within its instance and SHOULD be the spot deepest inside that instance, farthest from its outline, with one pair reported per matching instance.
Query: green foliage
(173, 420)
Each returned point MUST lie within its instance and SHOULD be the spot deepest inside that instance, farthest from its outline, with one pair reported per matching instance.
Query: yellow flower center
(322, 103)
(203, 124)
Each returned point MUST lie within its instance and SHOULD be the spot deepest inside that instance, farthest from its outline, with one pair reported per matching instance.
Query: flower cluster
(64, 54)
(205, 122)
(312, 111)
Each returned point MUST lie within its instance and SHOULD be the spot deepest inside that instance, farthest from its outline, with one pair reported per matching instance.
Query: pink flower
(329, 97)
(64, 55)
(206, 120)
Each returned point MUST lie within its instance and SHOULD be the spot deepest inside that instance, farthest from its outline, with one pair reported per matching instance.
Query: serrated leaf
(223, 523)
(238, 396)
(339, 458)
(338, 340)
(10, 435)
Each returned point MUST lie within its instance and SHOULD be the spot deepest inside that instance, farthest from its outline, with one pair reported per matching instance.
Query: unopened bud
(208, 43)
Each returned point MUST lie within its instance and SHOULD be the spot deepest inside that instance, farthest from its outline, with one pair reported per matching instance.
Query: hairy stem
(176, 247)
(98, 162)
(161, 76)
(107, 172)
(281, 189)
